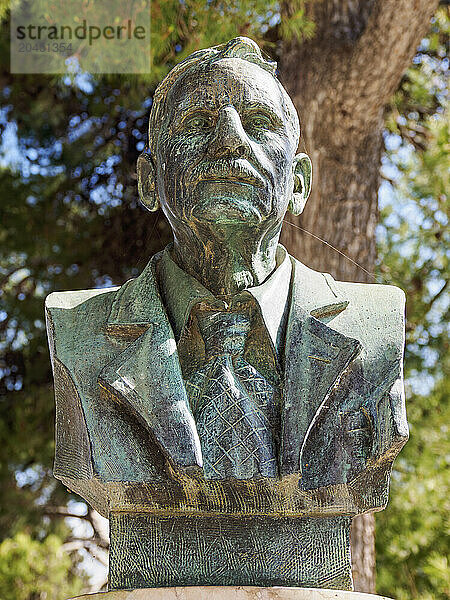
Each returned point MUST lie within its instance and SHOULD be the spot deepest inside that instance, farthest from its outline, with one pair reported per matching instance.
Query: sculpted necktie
(234, 406)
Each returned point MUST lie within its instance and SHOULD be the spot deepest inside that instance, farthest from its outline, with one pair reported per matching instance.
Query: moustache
(237, 169)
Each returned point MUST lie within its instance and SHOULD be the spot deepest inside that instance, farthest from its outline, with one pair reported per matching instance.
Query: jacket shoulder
(368, 298)
(74, 316)
(378, 313)
(72, 299)
(382, 296)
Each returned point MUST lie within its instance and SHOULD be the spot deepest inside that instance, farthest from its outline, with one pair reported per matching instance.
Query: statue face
(226, 147)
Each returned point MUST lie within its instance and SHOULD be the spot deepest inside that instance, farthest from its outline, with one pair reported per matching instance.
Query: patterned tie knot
(234, 406)
(223, 332)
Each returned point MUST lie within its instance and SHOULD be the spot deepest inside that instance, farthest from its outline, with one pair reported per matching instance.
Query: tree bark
(340, 82)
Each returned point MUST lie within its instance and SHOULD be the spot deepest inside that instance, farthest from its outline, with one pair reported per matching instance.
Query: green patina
(230, 410)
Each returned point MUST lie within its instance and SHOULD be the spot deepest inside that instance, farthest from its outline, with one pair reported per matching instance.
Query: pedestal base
(149, 550)
(230, 593)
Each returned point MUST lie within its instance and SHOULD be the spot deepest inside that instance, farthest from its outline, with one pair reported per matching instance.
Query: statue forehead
(224, 80)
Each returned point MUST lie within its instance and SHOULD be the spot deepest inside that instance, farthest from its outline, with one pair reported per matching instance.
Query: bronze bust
(230, 410)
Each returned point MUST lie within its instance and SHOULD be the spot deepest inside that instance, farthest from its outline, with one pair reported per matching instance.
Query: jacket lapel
(316, 357)
(146, 376)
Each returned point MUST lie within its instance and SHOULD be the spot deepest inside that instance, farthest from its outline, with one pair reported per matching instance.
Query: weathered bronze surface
(230, 410)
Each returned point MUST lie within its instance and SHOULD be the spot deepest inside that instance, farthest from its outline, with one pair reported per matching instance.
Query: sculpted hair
(240, 47)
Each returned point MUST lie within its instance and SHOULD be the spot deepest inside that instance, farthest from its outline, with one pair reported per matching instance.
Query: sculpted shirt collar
(180, 291)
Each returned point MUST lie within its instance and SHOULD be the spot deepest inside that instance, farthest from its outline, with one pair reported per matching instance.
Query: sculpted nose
(229, 138)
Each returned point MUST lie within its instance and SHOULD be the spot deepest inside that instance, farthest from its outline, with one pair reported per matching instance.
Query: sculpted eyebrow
(264, 108)
(190, 104)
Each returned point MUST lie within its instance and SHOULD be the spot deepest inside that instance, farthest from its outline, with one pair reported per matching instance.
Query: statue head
(223, 135)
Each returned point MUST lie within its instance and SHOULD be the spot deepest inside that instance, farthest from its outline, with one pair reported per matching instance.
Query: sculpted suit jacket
(125, 434)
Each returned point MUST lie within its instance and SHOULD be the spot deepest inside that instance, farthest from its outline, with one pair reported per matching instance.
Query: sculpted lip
(227, 201)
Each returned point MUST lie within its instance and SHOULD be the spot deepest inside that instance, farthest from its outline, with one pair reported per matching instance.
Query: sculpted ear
(146, 174)
(302, 172)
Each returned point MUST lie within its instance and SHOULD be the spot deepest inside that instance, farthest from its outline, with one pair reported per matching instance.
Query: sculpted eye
(258, 122)
(198, 123)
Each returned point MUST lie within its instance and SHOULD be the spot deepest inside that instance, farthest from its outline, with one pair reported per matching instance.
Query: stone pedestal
(230, 593)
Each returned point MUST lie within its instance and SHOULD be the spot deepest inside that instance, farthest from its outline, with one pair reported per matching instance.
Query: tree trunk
(341, 82)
